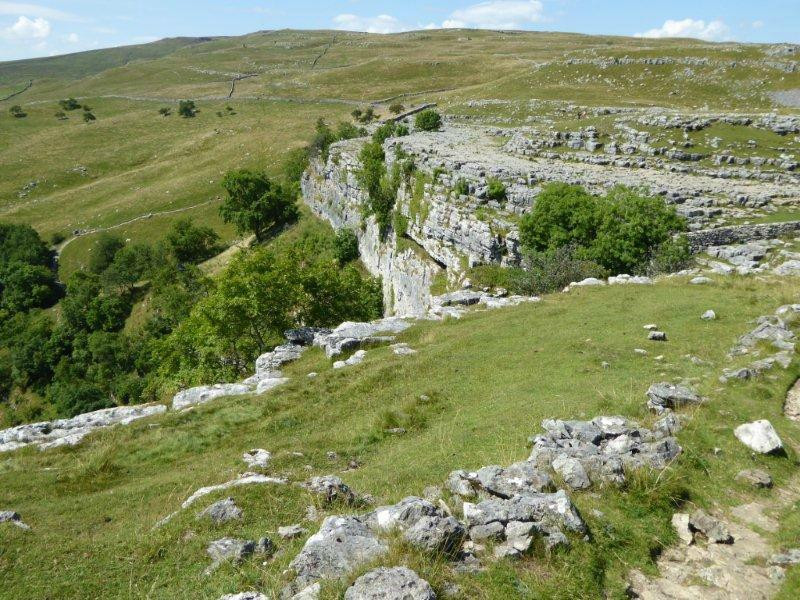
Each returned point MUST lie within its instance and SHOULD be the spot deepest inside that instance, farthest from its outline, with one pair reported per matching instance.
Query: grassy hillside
(475, 391)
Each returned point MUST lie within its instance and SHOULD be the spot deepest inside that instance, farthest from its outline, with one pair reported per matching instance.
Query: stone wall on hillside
(737, 234)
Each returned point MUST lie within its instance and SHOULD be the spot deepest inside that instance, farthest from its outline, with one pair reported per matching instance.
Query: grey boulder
(755, 477)
(759, 436)
(222, 511)
(435, 534)
(661, 396)
(10, 516)
(396, 583)
(342, 544)
(714, 530)
(331, 489)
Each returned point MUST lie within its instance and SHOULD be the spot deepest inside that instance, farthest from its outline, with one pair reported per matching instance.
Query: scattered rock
(759, 436)
(342, 544)
(331, 488)
(222, 511)
(396, 583)
(290, 532)
(244, 596)
(714, 530)
(244, 479)
(785, 559)
(605, 446)
(206, 393)
(402, 515)
(791, 408)
(402, 349)
(10, 516)
(257, 458)
(436, 534)
(680, 523)
(755, 477)
(661, 396)
(700, 280)
(230, 549)
(657, 336)
(356, 359)
(709, 315)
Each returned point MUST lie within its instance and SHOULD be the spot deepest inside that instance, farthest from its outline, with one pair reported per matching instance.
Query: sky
(57, 27)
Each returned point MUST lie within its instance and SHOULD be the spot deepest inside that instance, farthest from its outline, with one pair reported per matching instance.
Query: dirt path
(60, 247)
(737, 571)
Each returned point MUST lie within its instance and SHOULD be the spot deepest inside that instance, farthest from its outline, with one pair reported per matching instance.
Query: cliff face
(443, 233)
(332, 192)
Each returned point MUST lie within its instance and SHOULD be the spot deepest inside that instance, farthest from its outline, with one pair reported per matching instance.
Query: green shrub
(295, 165)
(621, 231)
(401, 130)
(345, 246)
(672, 255)
(428, 120)
(396, 108)
(400, 223)
(104, 251)
(187, 109)
(384, 132)
(69, 104)
(88, 117)
(165, 111)
(496, 190)
(60, 115)
(381, 186)
(356, 114)
(461, 188)
(190, 243)
(630, 229)
(17, 112)
(56, 238)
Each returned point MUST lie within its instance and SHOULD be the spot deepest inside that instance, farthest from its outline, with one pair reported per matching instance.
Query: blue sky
(57, 26)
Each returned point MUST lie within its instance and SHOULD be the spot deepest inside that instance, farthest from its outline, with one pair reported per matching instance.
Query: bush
(69, 104)
(356, 114)
(104, 251)
(428, 120)
(461, 188)
(672, 255)
(384, 132)
(165, 111)
(396, 108)
(190, 243)
(496, 190)
(295, 165)
(621, 231)
(56, 238)
(60, 115)
(380, 186)
(76, 397)
(17, 112)
(187, 109)
(88, 117)
(401, 130)
(368, 115)
(256, 204)
(346, 246)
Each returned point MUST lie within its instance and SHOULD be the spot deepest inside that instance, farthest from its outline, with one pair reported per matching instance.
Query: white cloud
(713, 31)
(495, 14)
(72, 38)
(757, 24)
(37, 10)
(27, 29)
(379, 24)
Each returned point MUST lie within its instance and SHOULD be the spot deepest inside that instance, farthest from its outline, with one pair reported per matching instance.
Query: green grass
(489, 380)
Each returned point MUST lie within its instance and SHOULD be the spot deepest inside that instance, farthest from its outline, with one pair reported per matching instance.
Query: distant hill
(91, 62)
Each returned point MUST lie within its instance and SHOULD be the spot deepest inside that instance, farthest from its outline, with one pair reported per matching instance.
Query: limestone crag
(69, 432)
(331, 191)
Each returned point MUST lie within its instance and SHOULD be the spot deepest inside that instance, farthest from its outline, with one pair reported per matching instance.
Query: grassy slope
(490, 378)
